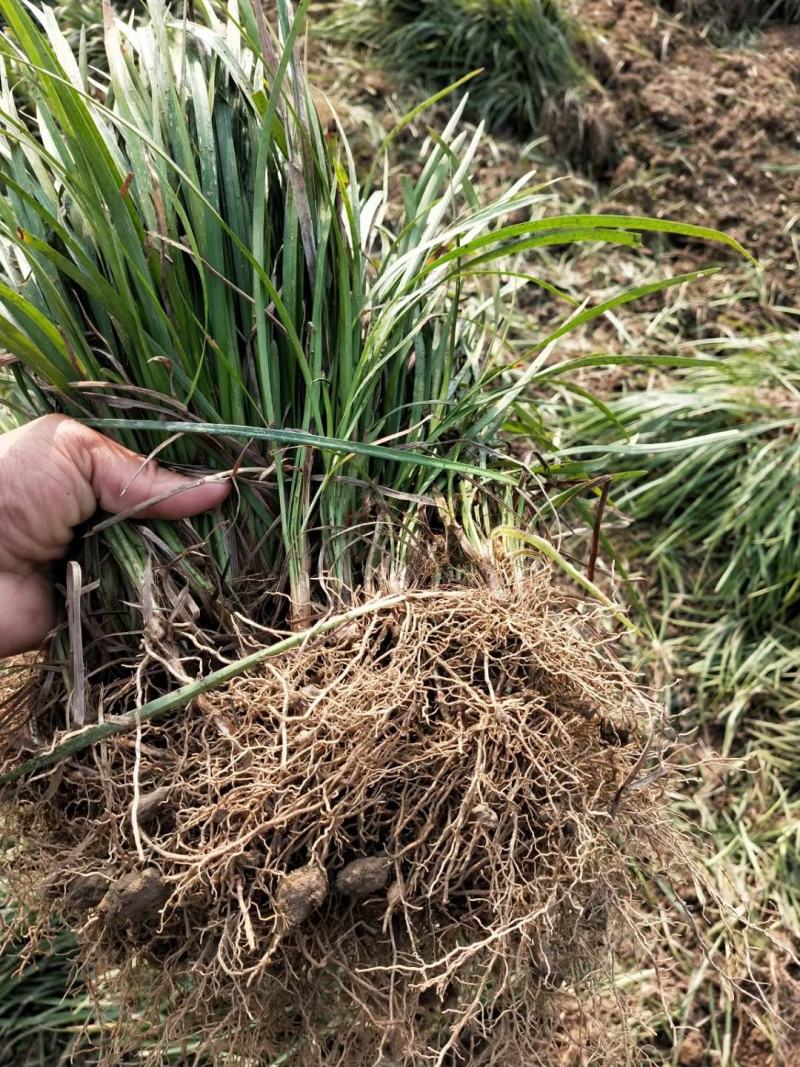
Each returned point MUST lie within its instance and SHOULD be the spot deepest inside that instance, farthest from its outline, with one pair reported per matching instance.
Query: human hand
(54, 474)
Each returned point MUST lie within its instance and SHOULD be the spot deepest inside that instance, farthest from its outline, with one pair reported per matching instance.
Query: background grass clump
(711, 530)
(528, 50)
(715, 522)
(737, 14)
(41, 1009)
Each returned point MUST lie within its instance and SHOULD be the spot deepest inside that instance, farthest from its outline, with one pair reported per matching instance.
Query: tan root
(410, 843)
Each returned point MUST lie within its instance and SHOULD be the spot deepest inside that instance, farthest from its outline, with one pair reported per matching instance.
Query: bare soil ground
(707, 134)
(698, 132)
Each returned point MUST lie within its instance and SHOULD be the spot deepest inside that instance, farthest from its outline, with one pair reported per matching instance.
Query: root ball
(445, 745)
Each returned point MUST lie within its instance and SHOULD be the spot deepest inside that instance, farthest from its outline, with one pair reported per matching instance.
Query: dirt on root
(415, 840)
(707, 134)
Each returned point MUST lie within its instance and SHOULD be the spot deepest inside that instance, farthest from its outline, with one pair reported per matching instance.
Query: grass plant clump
(719, 444)
(738, 14)
(349, 774)
(527, 50)
(715, 528)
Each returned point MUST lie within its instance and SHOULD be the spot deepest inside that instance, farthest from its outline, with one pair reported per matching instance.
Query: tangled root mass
(406, 843)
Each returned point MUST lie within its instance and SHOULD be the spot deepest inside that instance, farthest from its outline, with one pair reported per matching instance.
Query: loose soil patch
(709, 134)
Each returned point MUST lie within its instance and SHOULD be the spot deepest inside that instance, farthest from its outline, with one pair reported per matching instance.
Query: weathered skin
(54, 474)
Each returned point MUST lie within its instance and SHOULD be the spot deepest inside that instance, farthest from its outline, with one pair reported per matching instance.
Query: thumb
(121, 480)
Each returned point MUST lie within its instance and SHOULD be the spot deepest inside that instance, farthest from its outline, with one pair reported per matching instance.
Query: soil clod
(85, 892)
(134, 897)
(485, 816)
(363, 877)
(299, 894)
(152, 806)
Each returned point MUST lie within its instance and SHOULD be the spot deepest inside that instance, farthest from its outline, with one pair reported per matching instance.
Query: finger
(28, 613)
(121, 479)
